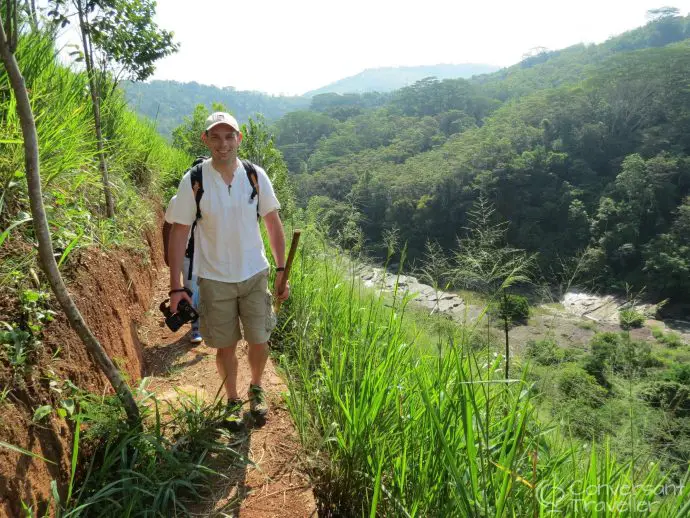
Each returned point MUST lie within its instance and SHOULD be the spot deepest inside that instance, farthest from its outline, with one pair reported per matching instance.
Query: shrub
(545, 351)
(630, 318)
(616, 352)
(680, 373)
(575, 384)
(669, 339)
(669, 396)
(586, 423)
(513, 307)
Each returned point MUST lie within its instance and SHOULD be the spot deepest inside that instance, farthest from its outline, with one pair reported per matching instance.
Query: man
(190, 284)
(229, 260)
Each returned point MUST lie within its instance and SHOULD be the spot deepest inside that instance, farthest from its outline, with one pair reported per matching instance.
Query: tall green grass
(400, 423)
(160, 470)
(141, 163)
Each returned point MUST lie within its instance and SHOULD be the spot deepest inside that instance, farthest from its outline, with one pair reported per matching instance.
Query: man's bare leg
(257, 356)
(226, 362)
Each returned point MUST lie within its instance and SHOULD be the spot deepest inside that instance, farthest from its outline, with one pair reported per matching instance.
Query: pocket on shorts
(271, 319)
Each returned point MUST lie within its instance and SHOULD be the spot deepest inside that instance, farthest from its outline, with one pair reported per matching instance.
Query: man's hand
(175, 299)
(286, 293)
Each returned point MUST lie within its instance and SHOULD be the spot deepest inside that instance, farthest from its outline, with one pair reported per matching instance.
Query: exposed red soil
(117, 294)
(112, 291)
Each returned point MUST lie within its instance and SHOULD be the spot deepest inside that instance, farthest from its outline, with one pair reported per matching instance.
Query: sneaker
(257, 401)
(233, 415)
(196, 337)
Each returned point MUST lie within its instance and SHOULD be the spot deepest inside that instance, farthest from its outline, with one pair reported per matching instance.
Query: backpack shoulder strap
(253, 178)
(197, 179)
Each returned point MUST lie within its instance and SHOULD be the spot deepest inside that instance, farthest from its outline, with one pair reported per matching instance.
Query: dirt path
(265, 480)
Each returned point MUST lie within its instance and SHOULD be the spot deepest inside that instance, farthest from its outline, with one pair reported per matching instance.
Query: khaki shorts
(222, 305)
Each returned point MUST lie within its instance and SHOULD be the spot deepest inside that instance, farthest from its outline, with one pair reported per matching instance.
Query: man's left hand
(286, 293)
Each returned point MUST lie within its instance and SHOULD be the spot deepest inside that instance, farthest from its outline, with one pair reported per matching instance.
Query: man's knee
(229, 351)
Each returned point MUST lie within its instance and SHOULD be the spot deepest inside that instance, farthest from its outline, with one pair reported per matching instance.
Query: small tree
(258, 146)
(187, 136)
(119, 38)
(484, 262)
(8, 45)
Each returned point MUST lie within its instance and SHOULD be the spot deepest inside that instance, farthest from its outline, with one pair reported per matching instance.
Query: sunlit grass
(407, 423)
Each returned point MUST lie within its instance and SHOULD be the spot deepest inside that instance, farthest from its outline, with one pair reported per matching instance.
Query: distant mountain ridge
(387, 79)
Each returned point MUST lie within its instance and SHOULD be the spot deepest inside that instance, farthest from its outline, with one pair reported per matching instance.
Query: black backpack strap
(253, 178)
(197, 180)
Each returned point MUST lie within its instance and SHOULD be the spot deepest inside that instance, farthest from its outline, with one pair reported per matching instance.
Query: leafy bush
(575, 384)
(514, 307)
(545, 351)
(669, 396)
(630, 318)
(585, 422)
(670, 339)
(680, 373)
(618, 353)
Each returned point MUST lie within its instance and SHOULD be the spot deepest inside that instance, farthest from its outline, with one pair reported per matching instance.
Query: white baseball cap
(217, 118)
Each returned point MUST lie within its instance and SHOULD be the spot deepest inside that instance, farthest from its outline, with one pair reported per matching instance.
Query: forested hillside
(584, 151)
(167, 102)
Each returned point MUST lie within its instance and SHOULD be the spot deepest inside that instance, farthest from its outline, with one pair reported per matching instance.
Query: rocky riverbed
(574, 306)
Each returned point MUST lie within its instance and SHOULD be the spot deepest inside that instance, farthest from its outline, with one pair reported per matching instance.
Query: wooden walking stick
(288, 264)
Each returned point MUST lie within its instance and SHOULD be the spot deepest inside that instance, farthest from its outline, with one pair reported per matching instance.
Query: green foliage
(187, 136)
(121, 31)
(679, 373)
(157, 470)
(576, 384)
(630, 318)
(19, 348)
(21, 340)
(361, 391)
(670, 396)
(168, 102)
(513, 308)
(591, 139)
(545, 351)
(669, 339)
(618, 353)
(140, 163)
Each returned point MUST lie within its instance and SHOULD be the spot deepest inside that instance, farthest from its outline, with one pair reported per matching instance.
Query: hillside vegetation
(402, 413)
(584, 152)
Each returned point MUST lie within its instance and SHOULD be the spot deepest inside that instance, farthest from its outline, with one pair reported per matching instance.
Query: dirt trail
(267, 480)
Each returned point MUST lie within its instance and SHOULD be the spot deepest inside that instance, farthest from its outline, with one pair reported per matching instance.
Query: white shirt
(228, 244)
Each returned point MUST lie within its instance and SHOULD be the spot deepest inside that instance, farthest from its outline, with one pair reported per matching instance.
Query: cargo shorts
(224, 305)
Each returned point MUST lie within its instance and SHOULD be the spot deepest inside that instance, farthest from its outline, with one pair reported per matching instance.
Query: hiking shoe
(232, 420)
(196, 337)
(257, 402)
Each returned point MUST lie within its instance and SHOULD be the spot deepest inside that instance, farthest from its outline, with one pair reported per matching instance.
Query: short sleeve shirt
(228, 244)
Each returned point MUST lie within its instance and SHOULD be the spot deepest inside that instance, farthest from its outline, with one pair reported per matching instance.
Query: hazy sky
(289, 47)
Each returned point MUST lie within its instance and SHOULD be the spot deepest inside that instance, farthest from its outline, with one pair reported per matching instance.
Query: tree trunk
(96, 105)
(45, 246)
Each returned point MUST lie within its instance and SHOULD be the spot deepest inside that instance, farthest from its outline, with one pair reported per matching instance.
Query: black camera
(185, 313)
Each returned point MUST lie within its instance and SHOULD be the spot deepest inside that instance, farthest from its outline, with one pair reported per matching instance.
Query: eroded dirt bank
(113, 292)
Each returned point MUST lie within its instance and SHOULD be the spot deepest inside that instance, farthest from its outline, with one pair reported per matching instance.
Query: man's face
(222, 141)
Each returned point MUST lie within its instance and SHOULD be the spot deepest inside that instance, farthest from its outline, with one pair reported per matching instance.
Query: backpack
(197, 180)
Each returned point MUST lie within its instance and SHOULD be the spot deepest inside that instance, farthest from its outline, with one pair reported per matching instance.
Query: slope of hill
(579, 149)
(386, 79)
(168, 102)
